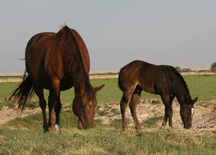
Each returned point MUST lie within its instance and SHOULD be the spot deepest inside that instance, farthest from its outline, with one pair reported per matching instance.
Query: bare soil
(204, 118)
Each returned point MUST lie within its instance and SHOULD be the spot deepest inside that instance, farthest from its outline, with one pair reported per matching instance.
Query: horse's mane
(73, 59)
(181, 78)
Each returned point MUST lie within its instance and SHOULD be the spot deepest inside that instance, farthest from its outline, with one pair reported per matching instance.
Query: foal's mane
(181, 78)
(72, 59)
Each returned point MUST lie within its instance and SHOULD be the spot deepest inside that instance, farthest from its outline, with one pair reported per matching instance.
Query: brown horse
(162, 80)
(57, 62)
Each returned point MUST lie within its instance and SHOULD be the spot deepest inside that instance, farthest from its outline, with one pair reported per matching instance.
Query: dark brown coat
(162, 80)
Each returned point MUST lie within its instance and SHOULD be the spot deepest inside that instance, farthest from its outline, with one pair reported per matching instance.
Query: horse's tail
(119, 81)
(24, 92)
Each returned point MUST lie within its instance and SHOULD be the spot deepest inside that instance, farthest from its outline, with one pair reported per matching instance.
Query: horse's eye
(82, 105)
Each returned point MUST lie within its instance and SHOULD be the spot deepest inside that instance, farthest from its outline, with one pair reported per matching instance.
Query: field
(22, 133)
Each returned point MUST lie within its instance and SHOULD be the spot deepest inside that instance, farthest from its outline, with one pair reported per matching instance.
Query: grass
(25, 135)
(103, 140)
(152, 121)
(202, 87)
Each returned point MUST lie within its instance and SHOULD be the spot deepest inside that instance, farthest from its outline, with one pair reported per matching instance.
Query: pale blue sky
(177, 33)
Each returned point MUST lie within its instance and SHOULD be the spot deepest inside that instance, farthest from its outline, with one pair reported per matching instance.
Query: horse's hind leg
(133, 105)
(42, 102)
(123, 105)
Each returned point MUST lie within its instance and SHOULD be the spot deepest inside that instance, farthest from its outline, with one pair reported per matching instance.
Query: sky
(116, 32)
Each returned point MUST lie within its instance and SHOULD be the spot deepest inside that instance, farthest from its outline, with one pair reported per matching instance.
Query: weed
(32, 105)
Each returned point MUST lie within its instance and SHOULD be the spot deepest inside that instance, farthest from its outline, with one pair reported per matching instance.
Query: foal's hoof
(57, 127)
(139, 133)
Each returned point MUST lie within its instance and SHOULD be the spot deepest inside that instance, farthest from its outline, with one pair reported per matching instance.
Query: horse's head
(84, 105)
(186, 112)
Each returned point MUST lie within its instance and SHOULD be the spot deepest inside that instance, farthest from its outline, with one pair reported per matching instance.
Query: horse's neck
(182, 95)
(75, 66)
(81, 80)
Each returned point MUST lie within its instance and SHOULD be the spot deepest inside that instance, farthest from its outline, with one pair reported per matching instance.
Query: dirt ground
(204, 118)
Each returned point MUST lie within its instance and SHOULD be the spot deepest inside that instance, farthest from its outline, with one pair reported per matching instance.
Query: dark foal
(57, 62)
(162, 80)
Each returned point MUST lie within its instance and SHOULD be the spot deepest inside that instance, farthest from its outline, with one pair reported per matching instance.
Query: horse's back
(150, 78)
(35, 53)
(45, 58)
(133, 73)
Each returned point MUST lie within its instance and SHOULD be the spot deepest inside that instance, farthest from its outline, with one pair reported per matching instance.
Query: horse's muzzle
(187, 126)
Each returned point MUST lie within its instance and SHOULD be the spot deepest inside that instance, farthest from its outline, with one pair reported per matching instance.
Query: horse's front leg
(51, 112)
(167, 101)
(168, 114)
(54, 103)
(57, 111)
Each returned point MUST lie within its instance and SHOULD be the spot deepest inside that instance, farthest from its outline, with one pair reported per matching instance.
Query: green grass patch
(35, 121)
(6, 104)
(32, 105)
(152, 121)
(202, 87)
(105, 141)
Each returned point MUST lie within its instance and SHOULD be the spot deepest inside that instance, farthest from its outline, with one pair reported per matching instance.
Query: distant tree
(186, 70)
(213, 67)
(178, 69)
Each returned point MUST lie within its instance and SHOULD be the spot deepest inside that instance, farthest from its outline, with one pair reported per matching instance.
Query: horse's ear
(194, 101)
(98, 88)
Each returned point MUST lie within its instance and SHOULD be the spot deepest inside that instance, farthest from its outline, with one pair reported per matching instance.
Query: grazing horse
(162, 80)
(57, 62)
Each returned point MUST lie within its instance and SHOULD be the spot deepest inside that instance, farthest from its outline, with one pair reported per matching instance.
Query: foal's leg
(123, 105)
(167, 101)
(42, 102)
(133, 104)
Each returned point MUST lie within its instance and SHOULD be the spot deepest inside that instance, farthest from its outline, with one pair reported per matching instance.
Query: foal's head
(84, 105)
(186, 112)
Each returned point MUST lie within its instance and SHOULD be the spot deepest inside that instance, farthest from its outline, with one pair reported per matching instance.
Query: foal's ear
(98, 88)
(194, 101)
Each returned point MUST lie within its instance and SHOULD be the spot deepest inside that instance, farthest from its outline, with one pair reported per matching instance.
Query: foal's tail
(119, 81)
(23, 92)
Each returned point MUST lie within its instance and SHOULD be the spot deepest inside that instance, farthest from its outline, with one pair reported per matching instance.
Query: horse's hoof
(139, 134)
(46, 130)
(57, 127)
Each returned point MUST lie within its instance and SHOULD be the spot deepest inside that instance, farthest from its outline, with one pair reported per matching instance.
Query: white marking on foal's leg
(57, 127)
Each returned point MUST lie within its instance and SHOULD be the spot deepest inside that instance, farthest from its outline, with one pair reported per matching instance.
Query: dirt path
(8, 114)
(204, 118)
